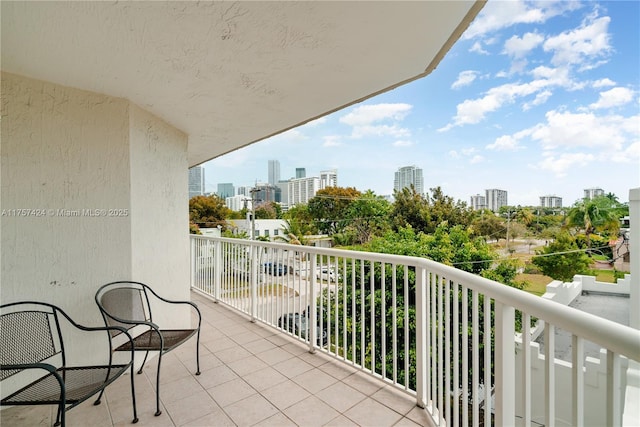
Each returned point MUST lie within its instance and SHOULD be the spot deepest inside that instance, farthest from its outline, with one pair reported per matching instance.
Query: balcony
(251, 375)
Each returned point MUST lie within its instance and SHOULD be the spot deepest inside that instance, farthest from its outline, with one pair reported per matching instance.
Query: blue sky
(536, 98)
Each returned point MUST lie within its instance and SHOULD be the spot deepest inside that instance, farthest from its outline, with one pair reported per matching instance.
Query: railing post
(505, 369)
(217, 269)
(192, 246)
(254, 281)
(421, 338)
(311, 306)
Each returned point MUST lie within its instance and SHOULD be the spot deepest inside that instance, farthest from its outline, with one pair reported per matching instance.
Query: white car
(326, 273)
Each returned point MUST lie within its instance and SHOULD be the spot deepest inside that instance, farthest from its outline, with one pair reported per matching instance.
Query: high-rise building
(328, 179)
(302, 189)
(283, 185)
(495, 199)
(478, 202)
(196, 181)
(274, 172)
(243, 191)
(265, 193)
(237, 203)
(301, 173)
(406, 177)
(225, 190)
(592, 193)
(550, 202)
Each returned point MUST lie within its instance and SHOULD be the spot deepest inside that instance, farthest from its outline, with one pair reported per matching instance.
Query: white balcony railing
(450, 338)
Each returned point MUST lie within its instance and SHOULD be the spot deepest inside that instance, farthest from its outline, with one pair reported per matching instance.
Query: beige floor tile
(364, 383)
(406, 422)
(314, 380)
(311, 412)
(28, 416)
(231, 392)
(420, 416)
(340, 421)
(217, 418)
(278, 420)
(293, 367)
(251, 410)
(337, 369)
(340, 396)
(259, 346)
(246, 337)
(395, 399)
(264, 378)
(370, 413)
(189, 409)
(247, 365)
(216, 376)
(232, 354)
(274, 356)
(285, 394)
(180, 389)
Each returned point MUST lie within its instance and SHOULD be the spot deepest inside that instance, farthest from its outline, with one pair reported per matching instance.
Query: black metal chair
(127, 304)
(33, 359)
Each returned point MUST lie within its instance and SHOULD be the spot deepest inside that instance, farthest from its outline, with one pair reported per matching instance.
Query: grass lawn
(537, 282)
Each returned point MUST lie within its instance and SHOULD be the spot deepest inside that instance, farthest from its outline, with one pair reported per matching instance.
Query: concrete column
(634, 249)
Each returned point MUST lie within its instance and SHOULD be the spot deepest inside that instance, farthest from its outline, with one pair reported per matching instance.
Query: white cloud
(465, 78)
(561, 164)
(477, 48)
(380, 130)
(590, 41)
(332, 141)
(367, 114)
(469, 151)
(402, 143)
(518, 47)
(507, 142)
(627, 155)
(540, 99)
(571, 130)
(454, 154)
(497, 15)
(476, 159)
(613, 98)
(603, 83)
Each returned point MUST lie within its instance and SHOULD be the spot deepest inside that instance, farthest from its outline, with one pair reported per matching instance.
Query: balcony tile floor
(252, 375)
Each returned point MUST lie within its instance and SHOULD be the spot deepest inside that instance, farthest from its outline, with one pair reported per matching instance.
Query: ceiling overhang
(231, 73)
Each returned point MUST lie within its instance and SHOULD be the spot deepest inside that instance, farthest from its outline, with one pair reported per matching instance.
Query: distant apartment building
(550, 202)
(237, 203)
(495, 199)
(407, 176)
(225, 190)
(592, 193)
(301, 190)
(478, 202)
(301, 173)
(283, 186)
(274, 172)
(328, 179)
(265, 193)
(196, 181)
(243, 191)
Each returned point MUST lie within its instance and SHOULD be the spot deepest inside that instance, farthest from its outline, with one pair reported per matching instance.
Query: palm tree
(593, 215)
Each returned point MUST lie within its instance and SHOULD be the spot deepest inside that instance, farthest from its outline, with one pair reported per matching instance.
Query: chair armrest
(52, 370)
(178, 302)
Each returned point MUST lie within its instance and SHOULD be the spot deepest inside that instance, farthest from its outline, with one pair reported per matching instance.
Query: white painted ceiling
(231, 73)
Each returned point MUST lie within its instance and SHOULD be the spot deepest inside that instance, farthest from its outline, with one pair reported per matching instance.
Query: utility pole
(253, 191)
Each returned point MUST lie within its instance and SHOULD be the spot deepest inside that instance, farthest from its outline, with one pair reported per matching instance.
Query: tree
(208, 211)
(409, 209)
(298, 225)
(598, 214)
(266, 211)
(367, 216)
(329, 207)
(562, 259)
(490, 226)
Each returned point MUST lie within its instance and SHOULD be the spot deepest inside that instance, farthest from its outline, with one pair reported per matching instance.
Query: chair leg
(158, 411)
(198, 354)
(133, 397)
(97, 402)
(60, 421)
(143, 362)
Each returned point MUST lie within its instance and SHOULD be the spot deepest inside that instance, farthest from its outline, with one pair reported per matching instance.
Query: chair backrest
(29, 333)
(123, 300)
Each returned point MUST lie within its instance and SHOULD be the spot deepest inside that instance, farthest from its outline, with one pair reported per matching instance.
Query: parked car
(326, 273)
(275, 269)
(298, 324)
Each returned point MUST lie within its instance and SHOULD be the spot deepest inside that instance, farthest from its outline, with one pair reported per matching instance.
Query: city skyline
(535, 98)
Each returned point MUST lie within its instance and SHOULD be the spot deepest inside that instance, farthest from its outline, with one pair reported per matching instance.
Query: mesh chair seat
(79, 383)
(150, 341)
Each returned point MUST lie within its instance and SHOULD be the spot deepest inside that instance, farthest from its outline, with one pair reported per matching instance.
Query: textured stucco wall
(159, 206)
(64, 151)
(109, 181)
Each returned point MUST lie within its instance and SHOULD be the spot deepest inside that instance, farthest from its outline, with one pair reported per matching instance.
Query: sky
(536, 98)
